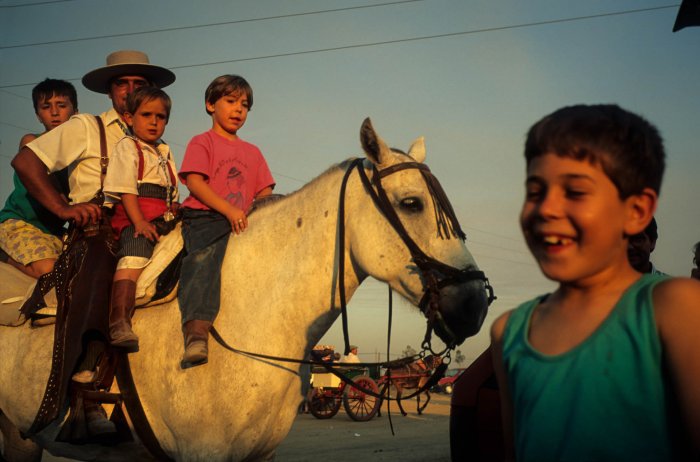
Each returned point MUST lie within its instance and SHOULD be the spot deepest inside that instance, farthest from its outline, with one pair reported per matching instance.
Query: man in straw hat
(79, 144)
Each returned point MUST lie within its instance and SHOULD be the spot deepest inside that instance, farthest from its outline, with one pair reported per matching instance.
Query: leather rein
(437, 275)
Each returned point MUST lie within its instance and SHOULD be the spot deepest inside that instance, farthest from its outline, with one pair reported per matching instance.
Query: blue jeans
(206, 235)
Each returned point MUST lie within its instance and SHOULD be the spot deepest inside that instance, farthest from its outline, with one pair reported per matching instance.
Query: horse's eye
(412, 204)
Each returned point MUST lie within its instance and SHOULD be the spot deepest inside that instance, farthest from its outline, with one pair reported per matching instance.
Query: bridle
(436, 274)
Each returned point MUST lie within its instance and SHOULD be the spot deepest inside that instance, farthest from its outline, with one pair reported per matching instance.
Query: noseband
(436, 274)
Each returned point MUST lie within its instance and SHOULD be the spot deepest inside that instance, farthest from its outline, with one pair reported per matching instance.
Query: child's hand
(147, 230)
(237, 218)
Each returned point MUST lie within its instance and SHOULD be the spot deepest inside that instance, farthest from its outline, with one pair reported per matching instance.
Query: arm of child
(506, 401)
(198, 186)
(677, 311)
(141, 226)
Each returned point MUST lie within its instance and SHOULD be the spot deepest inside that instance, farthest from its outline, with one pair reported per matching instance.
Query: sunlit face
(148, 123)
(121, 87)
(55, 110)
(573, 219)
(229, 113)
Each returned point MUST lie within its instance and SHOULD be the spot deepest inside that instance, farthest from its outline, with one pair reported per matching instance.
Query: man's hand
(82, 214)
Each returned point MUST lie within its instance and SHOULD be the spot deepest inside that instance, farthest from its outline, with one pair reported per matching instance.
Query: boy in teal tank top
(607, 367)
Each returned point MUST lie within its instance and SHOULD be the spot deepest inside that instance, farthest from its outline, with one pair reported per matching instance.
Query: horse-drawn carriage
(362, 398)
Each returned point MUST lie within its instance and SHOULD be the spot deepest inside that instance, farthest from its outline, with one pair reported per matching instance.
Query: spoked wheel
(359, 405)
(323, 405)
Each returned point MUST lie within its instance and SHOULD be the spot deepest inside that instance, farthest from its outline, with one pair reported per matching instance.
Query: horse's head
(407, 235)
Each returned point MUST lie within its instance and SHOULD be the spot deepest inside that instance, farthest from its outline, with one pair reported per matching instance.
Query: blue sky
(469, 75)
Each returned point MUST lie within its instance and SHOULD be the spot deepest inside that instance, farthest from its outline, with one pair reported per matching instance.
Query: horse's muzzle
(462, 310)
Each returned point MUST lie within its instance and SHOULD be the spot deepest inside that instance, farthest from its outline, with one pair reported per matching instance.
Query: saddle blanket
(17, 287)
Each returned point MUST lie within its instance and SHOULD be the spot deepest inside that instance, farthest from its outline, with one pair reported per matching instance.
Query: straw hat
(126, 62)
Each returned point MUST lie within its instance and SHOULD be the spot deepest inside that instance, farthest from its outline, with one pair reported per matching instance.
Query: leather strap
(104, 159)
(131, 399)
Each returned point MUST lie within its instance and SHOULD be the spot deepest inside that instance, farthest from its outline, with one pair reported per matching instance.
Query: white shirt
(76, 144)
(122, 173)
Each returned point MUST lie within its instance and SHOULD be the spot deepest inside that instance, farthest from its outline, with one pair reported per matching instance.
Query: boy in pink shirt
(224, 174)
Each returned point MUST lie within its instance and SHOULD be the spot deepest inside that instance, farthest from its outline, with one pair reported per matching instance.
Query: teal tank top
(607, 399)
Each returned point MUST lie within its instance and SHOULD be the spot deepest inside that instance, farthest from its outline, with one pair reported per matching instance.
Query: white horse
(279, 296)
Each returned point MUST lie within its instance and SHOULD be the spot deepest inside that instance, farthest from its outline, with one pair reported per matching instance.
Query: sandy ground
(417, 438)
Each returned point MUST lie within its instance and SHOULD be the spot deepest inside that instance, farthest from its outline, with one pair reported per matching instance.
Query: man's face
(121, 87)
(639, 251)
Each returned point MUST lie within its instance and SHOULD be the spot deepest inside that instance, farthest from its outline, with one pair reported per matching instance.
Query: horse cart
(363, 397)
(329, 391)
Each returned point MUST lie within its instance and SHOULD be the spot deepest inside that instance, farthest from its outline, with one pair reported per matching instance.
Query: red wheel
(323, 403)
(359, 405)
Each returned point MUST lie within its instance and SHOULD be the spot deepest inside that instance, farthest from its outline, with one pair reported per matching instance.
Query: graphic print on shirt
(235, 181)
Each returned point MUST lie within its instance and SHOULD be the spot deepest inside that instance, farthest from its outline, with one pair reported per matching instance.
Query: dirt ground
(418, 438)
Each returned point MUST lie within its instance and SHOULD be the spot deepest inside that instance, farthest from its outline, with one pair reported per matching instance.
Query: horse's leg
(16, 448)
(427, 400)
(398, 400)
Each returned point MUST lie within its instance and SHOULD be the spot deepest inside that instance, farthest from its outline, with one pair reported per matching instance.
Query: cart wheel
(359, 405)
(323, 405)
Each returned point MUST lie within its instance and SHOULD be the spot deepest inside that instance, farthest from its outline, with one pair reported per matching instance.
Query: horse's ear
(372, 144)
(417, 150)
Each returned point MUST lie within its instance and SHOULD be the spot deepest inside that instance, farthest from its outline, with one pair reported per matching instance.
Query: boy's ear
(209, 107)
(640, 210)
(128, 118)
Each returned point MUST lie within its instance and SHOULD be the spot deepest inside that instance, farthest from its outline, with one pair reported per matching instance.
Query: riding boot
(196, 333)
(96, 419)
(120, 311)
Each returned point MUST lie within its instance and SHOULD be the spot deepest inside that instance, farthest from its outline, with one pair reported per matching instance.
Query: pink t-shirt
(235, 169)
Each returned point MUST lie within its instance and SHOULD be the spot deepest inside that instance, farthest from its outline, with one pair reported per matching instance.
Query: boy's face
(55, 110)
(574, 220)
(229, 113)
(121, 87)
(148, 123)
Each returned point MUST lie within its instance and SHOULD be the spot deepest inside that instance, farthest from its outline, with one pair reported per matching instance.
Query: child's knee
(40, 267)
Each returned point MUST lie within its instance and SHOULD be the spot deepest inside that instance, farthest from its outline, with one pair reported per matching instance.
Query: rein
(437, 275)
(331, 367)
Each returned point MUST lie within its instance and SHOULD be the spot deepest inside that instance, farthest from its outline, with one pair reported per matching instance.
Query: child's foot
(196, 354)
(122, 337)
(196, 334)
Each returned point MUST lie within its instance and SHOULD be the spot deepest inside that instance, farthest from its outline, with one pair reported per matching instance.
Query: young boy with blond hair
(29, 233)
(224, 174)
(607, 367)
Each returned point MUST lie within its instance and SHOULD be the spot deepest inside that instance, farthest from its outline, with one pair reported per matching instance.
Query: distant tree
(408, 351)
(459, 357)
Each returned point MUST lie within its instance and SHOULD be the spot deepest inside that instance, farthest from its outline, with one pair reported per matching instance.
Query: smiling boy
(607, 367)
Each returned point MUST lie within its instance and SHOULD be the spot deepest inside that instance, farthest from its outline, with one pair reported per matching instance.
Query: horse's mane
(266, 202)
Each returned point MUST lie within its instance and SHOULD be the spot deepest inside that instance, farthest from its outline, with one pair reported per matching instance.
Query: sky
(471, 76)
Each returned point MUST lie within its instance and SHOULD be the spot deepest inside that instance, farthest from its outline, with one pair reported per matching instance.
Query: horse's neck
(281, 273)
